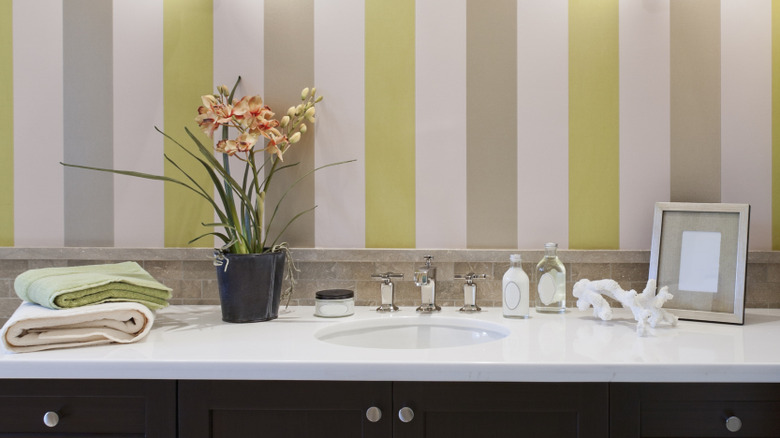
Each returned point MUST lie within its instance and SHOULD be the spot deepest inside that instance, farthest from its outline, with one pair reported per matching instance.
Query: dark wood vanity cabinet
(86, 408)
(694, 410)
(239, 409)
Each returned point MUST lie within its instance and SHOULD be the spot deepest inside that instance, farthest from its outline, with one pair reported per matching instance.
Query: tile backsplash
(191, 274)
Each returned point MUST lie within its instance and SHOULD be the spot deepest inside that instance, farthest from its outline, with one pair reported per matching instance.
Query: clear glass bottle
(550, 282)
(515, 289)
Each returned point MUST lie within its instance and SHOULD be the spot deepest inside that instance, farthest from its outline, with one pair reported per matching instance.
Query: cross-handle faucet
(386, 291)
(470, 292)
(425, 278)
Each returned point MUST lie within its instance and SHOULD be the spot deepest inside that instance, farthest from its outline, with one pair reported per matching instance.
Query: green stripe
(594, 166)
(6, 125)
(187, 74)
(390, 124)
(776, 125)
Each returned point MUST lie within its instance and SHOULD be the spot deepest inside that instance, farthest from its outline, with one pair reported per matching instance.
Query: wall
(474, 123)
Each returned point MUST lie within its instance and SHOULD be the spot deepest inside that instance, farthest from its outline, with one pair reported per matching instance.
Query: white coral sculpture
(646, 306)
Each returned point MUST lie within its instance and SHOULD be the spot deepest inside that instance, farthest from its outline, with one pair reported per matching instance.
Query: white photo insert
(700, 261)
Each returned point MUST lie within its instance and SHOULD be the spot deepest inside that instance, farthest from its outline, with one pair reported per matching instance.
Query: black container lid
(334, 294)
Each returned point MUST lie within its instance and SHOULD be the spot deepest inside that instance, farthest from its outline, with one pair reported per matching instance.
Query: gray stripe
(491, 121)
(695, 101)
(289, 67)
(88, 120)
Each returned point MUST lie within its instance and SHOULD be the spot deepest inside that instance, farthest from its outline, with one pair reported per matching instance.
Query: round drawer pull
(51, 418)
(374, 414)
(733, 423)
(406, 414)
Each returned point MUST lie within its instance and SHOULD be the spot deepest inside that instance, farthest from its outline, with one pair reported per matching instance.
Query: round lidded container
(334, 303)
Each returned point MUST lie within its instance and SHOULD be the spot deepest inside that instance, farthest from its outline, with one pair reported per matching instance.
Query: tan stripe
(491, 127)
(695, 101)
(289, 67)
(6, 125)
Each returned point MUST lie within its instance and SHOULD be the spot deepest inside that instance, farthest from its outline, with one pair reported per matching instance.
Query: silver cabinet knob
(406, 414)
(374, 414)
(733, 423)
(51, 418)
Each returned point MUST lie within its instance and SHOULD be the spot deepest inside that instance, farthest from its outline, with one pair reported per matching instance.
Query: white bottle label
(547, 288)
(512, 295)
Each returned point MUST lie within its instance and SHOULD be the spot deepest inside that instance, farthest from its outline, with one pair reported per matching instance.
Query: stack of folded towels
(83, 305)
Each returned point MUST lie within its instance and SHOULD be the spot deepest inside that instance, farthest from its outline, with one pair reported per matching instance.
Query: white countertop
(191, 342)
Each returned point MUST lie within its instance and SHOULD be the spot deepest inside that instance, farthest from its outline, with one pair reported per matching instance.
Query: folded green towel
(67, 287)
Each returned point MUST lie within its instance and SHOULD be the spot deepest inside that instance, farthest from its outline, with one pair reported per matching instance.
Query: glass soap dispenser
(515, 289)
(550, 282)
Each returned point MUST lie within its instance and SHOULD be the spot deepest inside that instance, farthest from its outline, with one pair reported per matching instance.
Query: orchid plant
(240, 205)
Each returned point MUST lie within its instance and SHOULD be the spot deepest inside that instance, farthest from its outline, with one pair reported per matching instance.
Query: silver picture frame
(699, 251)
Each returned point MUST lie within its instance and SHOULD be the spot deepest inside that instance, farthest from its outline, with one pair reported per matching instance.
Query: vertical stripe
(746, 112)
(340, 195)
(187, 74)
(775, 125)
(6, 124)
(138, 107)
(289, 67)
(695, 101)
(491, 124)
(390, 128)
(440, 112)
(238, 21)
(644, 117)
(37, 40)
(542, 123)
(88, 122)
(594, 166)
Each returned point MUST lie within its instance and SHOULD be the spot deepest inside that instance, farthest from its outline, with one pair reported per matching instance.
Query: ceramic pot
(250, 286)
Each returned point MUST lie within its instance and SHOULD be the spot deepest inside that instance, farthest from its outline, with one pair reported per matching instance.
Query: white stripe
(542, 123)
(138, 108)
(238, 51)
(644, 117)
(339, 59)
(746, 112)
(440, 121)
(38, 123)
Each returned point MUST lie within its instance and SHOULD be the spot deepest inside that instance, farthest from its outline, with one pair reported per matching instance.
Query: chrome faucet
(425, 277)
(386, 291)
(470, 292)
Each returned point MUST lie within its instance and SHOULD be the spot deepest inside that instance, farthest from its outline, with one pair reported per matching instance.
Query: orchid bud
(305, 93)
(303, 128)
(285, 121)
(310, 114)
(291, 111)
(223, 90)
(298, 110)
(313, 90)
(295, 137)
(318, 100)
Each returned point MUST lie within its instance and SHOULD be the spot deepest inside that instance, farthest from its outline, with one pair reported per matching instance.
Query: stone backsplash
(191, 274)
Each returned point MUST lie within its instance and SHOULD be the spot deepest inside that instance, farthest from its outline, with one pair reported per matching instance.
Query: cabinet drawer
(125, 408)
(705, 418)
(655, 410)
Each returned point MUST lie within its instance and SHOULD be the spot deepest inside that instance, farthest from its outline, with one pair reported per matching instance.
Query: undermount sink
(410, 332)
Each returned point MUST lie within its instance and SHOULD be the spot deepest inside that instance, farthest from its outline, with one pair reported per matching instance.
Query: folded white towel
(33, 327)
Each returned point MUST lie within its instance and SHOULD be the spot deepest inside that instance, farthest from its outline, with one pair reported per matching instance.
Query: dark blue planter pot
(250, 288)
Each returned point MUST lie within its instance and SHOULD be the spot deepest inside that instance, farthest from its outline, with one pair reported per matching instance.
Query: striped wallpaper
(473, 123)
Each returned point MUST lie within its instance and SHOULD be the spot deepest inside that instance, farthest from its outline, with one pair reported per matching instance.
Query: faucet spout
(425, 278)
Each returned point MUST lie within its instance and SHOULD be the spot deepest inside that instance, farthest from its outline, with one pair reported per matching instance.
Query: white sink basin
(408, 332)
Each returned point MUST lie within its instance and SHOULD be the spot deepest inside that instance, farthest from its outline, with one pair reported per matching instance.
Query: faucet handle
(470, 292)
(386, 276)
(470, 277)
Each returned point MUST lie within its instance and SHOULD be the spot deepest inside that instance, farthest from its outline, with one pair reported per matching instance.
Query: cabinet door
(137, 408)
(496, 410)
(694, 410)
(236, 409)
